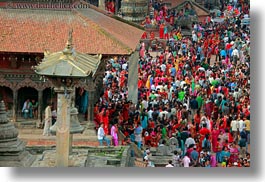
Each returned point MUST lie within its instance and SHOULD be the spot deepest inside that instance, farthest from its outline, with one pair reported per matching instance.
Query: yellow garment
(177, 64)
(247, 123)
(148, 82)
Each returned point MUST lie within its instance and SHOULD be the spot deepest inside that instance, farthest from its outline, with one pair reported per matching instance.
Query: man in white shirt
(124, 66)
(241, 125)
(47, 120)
(101, 136)
(235, 55)
(189, 141)
(169, 164)
(150, 112)
(234, 126)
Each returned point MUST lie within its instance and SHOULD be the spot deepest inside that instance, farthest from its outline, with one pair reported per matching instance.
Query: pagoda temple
(27, 35)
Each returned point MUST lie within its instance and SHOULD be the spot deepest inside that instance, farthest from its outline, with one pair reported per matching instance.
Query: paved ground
(34, 137)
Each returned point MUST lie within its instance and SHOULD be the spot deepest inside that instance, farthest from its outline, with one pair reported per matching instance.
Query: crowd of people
(196, 89)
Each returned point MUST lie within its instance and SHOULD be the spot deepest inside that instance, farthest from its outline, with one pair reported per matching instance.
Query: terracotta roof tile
(125, 33)
(37, 30)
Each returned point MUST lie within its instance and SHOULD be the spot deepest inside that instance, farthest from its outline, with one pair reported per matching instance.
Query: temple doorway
(49, 96)
(6, 94)
(26, 94)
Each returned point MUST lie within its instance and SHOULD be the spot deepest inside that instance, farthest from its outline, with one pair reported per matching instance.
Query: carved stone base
(14, 155)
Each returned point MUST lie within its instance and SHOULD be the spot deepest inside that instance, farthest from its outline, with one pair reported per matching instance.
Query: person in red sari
(152, 35)
(161, 31)
(96, 115)
(112, 7)
(144, 35)
(125, 111)
(197, 120)
(122, 78)
(104, 114)
(215, 134)
(204, 131)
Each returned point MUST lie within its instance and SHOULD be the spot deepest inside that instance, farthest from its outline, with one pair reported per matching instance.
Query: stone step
(25, 124)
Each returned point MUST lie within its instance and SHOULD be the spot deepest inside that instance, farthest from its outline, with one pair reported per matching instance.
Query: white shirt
(241, 125)
(189, 141)
(235, 53)
(163, 67)
(101, 133)
(124, 66)
(150, 112)
(169, 165)
(234, 125)
(145, 104)
(186, 161)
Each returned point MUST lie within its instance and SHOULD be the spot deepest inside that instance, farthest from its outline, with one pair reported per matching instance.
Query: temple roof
(68, 63)
(33, 31)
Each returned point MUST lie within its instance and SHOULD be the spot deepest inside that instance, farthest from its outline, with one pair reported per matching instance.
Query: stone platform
(34, 137)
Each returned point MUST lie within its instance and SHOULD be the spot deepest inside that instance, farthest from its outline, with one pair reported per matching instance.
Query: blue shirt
(223, 53)
(194, 155)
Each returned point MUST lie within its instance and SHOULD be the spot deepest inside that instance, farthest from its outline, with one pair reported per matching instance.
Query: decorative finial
(46, 53)
(70, 39)
(69, 45)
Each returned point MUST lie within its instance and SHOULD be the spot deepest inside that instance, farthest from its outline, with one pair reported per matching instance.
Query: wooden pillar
(14, 109)
(40, 95)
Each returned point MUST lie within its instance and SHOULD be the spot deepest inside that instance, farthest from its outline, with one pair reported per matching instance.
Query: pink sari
(114, 135)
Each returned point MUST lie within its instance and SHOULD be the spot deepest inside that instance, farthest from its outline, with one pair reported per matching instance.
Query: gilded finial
(46, 53)
(69, 43)
(70, 39)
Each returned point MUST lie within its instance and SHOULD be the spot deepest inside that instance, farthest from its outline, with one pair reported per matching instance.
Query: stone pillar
(116, 7)
(40, 95)
(70, 144)
(90, 109)
(133, 77)
(14, 105)
(101, 4)
(63, 127)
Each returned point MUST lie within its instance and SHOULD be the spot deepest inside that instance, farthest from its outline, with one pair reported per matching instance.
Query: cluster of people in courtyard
(195, 89)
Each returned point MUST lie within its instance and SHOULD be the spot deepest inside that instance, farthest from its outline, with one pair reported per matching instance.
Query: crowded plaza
(195, 89)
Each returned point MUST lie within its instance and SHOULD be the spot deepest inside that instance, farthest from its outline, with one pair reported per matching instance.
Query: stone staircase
(26, 123)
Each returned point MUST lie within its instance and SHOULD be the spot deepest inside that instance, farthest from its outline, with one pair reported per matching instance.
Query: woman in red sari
(112, 7)
(161, 31)
(122, 78)
(104, 114)
(215, 134)
(96, 116)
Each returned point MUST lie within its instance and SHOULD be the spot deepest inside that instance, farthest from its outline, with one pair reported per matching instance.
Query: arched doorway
(6, 94)
(49, 96)
(81, 100)
(24, 94)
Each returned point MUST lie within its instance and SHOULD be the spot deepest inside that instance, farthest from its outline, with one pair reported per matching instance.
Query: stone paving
(34, 137)
(48, 158)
